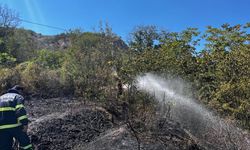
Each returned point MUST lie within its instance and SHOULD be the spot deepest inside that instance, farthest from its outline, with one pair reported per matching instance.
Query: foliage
(87, 64)
(39, 81)
(8, 78)
(8, 21)
(21, 45)
(143, 37)
(49, 59)
(219, 72)
(93, 63)
(174, 54)
(6, 59)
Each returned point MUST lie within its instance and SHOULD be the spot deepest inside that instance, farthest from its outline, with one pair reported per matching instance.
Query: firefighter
(13, 120)
(118, 85)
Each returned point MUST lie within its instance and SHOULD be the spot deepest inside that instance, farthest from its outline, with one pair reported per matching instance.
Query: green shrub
(30, 74)
(8, 78)
(49, 59)
(39, 81)
(6, 59)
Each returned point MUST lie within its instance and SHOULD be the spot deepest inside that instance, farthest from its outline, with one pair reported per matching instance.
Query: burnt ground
(65, 124)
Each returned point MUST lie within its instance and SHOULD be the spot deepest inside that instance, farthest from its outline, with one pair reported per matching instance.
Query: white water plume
(192, 116)
(164, 92)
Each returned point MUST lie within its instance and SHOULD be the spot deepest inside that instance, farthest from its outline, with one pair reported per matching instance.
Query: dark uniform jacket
(12, 111)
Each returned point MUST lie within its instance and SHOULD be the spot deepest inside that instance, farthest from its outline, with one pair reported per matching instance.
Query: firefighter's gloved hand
(25, 128)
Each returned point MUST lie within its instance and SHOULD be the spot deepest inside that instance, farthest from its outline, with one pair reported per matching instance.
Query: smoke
(202, 123)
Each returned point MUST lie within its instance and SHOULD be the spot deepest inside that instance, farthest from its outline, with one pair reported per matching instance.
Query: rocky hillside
(51, 42)
(57, 42)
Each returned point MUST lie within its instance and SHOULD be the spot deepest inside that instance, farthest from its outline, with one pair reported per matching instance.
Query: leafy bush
(49, 59)
(8, 78)
(6, 59)
(30, 75)
(39, 81)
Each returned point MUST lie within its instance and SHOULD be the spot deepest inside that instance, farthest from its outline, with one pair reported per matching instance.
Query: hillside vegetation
(82, 64)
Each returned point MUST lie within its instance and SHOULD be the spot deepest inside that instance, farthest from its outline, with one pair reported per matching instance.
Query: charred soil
(64, 124)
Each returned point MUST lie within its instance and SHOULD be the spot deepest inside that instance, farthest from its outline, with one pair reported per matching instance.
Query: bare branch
(8, 18)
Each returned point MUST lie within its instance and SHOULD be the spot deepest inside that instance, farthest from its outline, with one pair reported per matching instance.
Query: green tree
(224, 71)
(8, 21)
(143, 37)
(22, 45)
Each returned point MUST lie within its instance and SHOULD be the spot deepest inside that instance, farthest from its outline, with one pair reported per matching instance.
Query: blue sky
(124, 15)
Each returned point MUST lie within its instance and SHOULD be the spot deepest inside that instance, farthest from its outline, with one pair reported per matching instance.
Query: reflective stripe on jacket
(12, 111)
